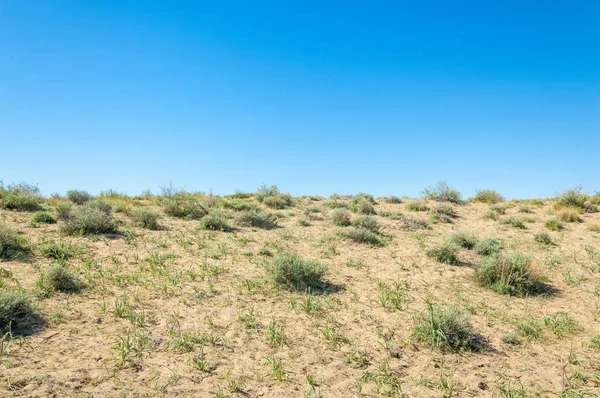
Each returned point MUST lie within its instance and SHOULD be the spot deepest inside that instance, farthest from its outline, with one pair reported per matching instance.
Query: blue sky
(315, 96)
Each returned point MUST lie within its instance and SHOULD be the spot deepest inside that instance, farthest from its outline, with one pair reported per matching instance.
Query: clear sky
(315, 96)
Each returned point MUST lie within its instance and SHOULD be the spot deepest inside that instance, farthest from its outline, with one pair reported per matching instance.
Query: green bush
(445, 252)
(61, 251)
(488, 246)
(488, 196)
(216, 220)
(256, 218)
(59, 279)
(574, 198)
(441, 192)
(238, 204)
(446, 327)
(291, 270)
(184, 205)
(417, 205)
(464, 239)
(362, 203)
(16, 314)
(340, 217)
(554, 224)
(543, 238)
(12, 246)
(145, 218)
(367, 222)
(569, 214)
(280, 201)
(363, 235)
(510, 274)
(516, 222)
(78, 197)
(443, 212)
(94, 217)
(43, 217)
(21, 197)
(392, 199)
(64, 210)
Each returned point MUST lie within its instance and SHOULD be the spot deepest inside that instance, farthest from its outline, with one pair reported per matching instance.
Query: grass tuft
(290, 270)
(512, 274)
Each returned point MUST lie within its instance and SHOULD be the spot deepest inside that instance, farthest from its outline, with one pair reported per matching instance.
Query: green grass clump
(543, 238)
(94, 217)
(571, 198)
(42, 217)
(392, 199)
(569, 214)
(256, 218)
(554, 224)
(443, 212)
(16, 314)
(417, 205)
(64, 210)
(464, 239)
(59, 279)
(445, 327)
(78, 197)
(488, 246)
(340, 217)
(363, 235)
(61, 251)
(290, 270)
(362, 203)
(488, 196)
(21, 197)
(239, 204)
(272, 197)
(516, 222)
(145, 218)
(367, 222)
(511, 274)
(12, 245)
(562, 324)
(445, 252)
(216, 220)
(184, 205)
(441, 192)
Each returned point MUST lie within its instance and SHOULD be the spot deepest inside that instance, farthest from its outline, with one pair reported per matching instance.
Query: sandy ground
(198, 306)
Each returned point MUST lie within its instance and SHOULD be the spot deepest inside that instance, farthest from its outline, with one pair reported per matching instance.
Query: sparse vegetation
(21, 197)
(94, 217)
(417, 205)
(363, 235)
(78, 197)
(256, 218)
(340, 217)
(543, 238)
(216, 220)
(12, 245)
(442, 192)
(363, 203)
(445, 252)
(512, 274)
(59, 279)
(367, 222)
(42, 217)
(554, 224)
(464, 239)
(488, 246)
(145, 218)
(289, 269)
(16, 314)
(488, 196)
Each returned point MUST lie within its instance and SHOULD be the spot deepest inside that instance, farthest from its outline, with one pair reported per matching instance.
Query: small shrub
(412, 224)
(445, 252)
(78, 197)
(145, 218)
(392, 199)
(569, 214)
(571, 198)
(12, 246)
(238, 204)
(256, 218)
(543, 238)
(15, 312)
(510, 274)
(303, 222)
(594, 227)
(184, 205)
(488, 196)
(417, 205)
(515, 222)
(60, 279)
(464, 239)
(530, 327)
(367, 222)
(362, 203)
(554, 224)
(441, 192)
(525, 209)
(340, 217)
(94, 217)
(59, 251)
(64, 210)
(498, 209)
(488, 246)
(443, 212)
(279, 201)
(291, 270)
(363, 235)
(21, 197)
(446, 327)
(216, 221)
(43, 217)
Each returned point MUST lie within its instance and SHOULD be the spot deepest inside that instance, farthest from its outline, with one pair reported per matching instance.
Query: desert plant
(367, 222)
(417, 205)
(64, 210)
(515, 222)
(446, 327)
(488, 196)
(12, 245)
(392, 199)
(441, 192)
(511, 274)
(239, 204)
(78, 197)
(145, 218)
(256, 218)
(61, 251)
(445, 252)
(94, 217)
(363, 235)
(554, 224)
(569, 214)
(59, 279)
(289, 269)
(464, 239)
(488, 246)
(572, 198)
(279, 201)
(15, 312)
(216, 220)
(340, 217)
(362, 203)
(543, 238)
(21, 197)
(184, 205)
(42, 217)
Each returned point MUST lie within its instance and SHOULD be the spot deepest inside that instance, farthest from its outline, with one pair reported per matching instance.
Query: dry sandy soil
(188, 312)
